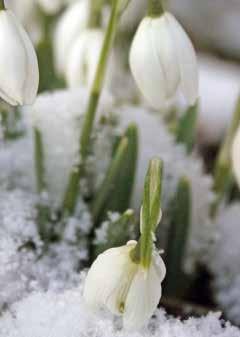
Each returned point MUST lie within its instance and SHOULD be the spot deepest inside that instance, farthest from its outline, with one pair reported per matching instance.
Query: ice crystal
(65, 315)
(155, 140)
(225, 263)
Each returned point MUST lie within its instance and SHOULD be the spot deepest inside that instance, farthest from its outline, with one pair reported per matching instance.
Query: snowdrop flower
(84, 57)
(73, 21)
(19, 75)
(125, 287)
(236, 156)
(163, 61)
(27, 13)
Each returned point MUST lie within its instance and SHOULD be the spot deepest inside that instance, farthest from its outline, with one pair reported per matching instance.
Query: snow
(25, 264)
(225, 263)
(47, 314)
(59, 117)
(155, 140)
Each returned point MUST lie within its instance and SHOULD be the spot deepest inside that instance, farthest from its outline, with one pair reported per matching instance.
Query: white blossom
(163, 61)
(83, 58)
(125, 287)
(19, 74)
(69, 27)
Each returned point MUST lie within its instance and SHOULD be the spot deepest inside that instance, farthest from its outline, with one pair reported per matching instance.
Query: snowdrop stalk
(223, 169)
(73, 186)
(127, 280)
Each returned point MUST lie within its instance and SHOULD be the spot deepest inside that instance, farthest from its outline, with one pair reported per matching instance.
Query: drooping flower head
(163, 61)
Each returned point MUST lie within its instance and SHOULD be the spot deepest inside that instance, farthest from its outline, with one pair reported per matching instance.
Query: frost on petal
(109, 279)
(187, 60)
(143, 297)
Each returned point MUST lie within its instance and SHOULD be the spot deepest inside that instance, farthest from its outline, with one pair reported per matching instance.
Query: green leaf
(100, 202)
(151, 209)
(180, 223)
(118, 232)
(39, 161)
(187, 126)
(120, 200)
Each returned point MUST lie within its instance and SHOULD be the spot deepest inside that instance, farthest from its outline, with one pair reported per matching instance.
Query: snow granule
(25, 264)
(225, 263)
(155, 140)
(65, 315)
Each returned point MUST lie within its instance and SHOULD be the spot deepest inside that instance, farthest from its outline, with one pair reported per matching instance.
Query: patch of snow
(66, 315)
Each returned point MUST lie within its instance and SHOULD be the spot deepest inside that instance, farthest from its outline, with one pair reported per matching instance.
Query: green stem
(223, 168)
(98, 81)
(95, 16)
(2, 5)
(155, 8)
(70, 201)
(39, 161)
(108, 184)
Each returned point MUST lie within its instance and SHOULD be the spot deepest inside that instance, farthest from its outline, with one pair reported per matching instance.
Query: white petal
(19, 75)
(31, 82)
(153, 63)
(83, 58)
(236, 156)
(109, 279)
(13, 63)
(144, 295)
(70, 25)
(187, 60)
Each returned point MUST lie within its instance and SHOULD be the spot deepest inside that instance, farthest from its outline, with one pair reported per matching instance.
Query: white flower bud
(19, 74)
(114, 281)
(73, 21)
(163, 61)
(83, 59)
(236, 156)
